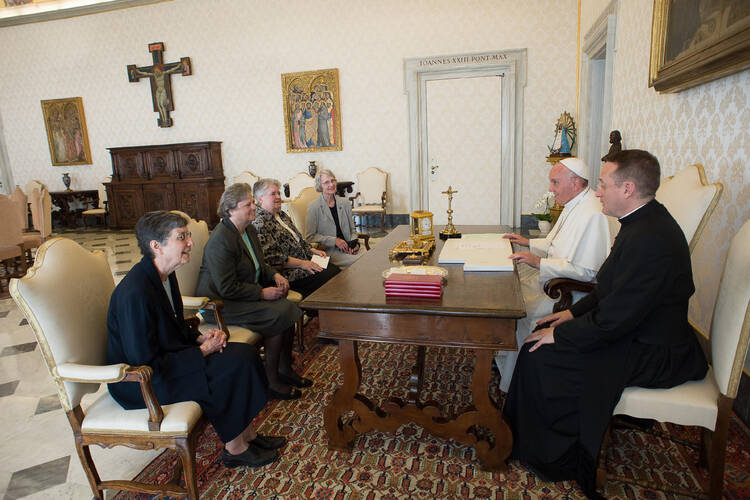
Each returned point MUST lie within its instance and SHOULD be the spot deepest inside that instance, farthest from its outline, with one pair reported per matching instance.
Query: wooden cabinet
(187, 177)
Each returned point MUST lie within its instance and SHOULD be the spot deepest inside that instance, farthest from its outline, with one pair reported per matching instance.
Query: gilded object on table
(312, 111)
(696, 42)
(66, 131)
(565, 136)
(450, 230)
(422, 240)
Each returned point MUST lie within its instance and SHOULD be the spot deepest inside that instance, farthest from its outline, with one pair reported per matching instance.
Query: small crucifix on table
(161, 84)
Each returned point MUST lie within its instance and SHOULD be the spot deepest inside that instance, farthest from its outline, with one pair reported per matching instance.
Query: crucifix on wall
(160, 75)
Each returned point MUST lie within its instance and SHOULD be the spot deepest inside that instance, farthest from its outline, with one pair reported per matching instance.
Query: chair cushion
(236, 333)
(691, 403)
(94, 211)
(368, 208)
(32, 240)
(107, 416)
(293, 296)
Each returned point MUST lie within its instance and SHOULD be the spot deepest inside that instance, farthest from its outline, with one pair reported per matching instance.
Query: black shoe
(268, 442)
(292, 394)
(295, 380)
(253, 456)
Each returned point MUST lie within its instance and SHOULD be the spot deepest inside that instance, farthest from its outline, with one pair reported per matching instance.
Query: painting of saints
(311, 104)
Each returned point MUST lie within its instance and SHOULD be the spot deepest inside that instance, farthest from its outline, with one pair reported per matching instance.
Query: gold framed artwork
(696, 41)
(312, 111)
(66, 131)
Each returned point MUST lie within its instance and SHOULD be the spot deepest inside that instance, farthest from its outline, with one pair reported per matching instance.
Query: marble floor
(39, 460)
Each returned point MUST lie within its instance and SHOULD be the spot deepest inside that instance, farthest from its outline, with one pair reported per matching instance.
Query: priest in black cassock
(145, 326)
(632, 330)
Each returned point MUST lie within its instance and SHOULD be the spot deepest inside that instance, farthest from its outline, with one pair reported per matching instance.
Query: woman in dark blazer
(234, 270)
(145, 326)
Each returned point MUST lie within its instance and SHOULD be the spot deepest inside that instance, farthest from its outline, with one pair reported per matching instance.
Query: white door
(463, 147)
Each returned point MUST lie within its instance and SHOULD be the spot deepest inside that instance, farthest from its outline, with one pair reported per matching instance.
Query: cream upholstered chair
(247, 177)
(372, 194)
(297, 183)
(31, 238)
(187, 277)
(11, 240)
(708, 403)
(101, 211)
(40, 203)
(689, 198)
(71, 329)
(32, 185)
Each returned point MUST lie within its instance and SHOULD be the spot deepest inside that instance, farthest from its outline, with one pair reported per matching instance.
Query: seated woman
(330, 222)
(283, 245)
(145, 326)
(234, 270)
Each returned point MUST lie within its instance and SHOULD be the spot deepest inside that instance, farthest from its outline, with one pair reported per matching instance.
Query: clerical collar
(577, 197)
(634, 210)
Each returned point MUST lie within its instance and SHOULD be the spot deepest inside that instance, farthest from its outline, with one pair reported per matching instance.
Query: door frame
(511, 65)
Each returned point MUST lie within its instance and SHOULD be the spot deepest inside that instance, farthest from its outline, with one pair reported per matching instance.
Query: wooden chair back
(371, 185)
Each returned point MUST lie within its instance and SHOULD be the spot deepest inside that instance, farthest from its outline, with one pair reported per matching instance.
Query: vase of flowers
(544, 217)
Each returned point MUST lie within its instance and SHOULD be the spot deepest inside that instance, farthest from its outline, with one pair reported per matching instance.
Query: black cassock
(143, 329)
(632, 330)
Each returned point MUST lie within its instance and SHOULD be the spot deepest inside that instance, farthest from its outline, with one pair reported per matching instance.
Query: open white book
(478, 252)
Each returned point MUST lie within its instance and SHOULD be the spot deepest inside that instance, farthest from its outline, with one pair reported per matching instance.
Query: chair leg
(186, 450)
(382, 222)
(717, 447)
(84, 454)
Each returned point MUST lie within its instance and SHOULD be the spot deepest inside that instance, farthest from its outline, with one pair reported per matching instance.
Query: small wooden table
(67, 215)
(478, 311)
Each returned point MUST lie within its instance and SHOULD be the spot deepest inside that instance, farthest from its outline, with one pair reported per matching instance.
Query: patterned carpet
(413, 464)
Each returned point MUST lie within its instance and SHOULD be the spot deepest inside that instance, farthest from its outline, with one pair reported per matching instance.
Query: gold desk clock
(422, 240)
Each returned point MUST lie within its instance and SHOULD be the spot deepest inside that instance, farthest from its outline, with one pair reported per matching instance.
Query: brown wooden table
(88, 198)
(478, 311)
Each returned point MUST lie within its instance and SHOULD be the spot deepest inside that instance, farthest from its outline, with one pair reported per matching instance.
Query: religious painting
(312, 111)
(66, 131)
(696, 41)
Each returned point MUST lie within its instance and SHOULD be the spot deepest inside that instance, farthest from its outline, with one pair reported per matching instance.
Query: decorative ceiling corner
(14, 12)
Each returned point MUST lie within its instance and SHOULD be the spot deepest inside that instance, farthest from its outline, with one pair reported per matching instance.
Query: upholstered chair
(371, 195)
(11, 240)
(689, 198)
(100, 212)
(32, 185)
(297, 183)
(31, 238)
(40, 203)
(71, 329)
(707, 403)
(247, 177)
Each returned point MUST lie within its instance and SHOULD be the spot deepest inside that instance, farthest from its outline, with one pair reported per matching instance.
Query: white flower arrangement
(545, 203)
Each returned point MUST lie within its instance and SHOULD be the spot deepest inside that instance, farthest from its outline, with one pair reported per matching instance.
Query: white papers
(321, 261)
(478, 252)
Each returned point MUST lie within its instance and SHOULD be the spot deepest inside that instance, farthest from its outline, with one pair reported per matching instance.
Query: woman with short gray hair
(283, 245)
(330, 222)
(235, 271)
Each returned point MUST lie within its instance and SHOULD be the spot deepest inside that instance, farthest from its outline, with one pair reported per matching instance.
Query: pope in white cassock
(575, 248)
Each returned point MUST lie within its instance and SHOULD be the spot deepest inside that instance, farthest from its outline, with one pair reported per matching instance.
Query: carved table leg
(417, 376)
(489, 416)
(341, 435)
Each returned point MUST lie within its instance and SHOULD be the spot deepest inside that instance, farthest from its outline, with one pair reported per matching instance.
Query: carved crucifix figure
(161, 84)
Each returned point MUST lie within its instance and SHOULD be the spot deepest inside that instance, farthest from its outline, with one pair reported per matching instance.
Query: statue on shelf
(615, 139)
(565, 136)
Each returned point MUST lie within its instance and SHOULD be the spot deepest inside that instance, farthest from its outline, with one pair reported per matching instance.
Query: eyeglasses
(183, 236)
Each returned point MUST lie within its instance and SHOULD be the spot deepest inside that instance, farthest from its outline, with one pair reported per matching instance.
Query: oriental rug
(411, 463)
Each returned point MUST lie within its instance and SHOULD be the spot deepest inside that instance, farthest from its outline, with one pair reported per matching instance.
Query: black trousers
(309, 284)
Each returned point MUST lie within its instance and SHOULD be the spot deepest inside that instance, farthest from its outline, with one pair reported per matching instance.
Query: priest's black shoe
(268, 442)
(253, 456)
(295, 380)
(292, 394)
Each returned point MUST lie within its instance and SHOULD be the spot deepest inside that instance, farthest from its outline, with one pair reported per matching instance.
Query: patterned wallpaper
(705, 124)
(238, 52)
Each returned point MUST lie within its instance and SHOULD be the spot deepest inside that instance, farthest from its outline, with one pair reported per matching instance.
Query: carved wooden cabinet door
(128, 165)
(129, 203)
(193, 200)
(160, 165)
(193, 162)
(158, 197)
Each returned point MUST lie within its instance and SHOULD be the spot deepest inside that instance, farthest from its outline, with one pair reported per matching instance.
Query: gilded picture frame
(696, 41)
(67, 135)
(312, 111)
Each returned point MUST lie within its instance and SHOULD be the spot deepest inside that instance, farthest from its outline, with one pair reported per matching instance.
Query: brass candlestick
(450, 230)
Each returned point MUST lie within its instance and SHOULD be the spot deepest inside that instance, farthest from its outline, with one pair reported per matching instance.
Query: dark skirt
(309, 284)
(265, 317)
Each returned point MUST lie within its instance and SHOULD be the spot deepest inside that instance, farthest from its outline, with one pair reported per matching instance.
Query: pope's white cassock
(575, 248)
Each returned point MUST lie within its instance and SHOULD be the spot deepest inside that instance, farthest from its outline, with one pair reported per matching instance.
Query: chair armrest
(352, 198)
(286, 190)
(103, 374)
(366, 238)
(142, 375)
(562, 289)
(216, 306)
(383, 199)
(194, 302)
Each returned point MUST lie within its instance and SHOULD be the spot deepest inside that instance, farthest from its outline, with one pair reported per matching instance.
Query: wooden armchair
(296, 184)
(372, 194)
(706, 403)
(100, 212)
(71, 329)
(11, 241)
(689, 198)
(247, 177)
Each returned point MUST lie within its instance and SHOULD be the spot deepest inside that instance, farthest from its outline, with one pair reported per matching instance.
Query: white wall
(705, 124)
(239, 50)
